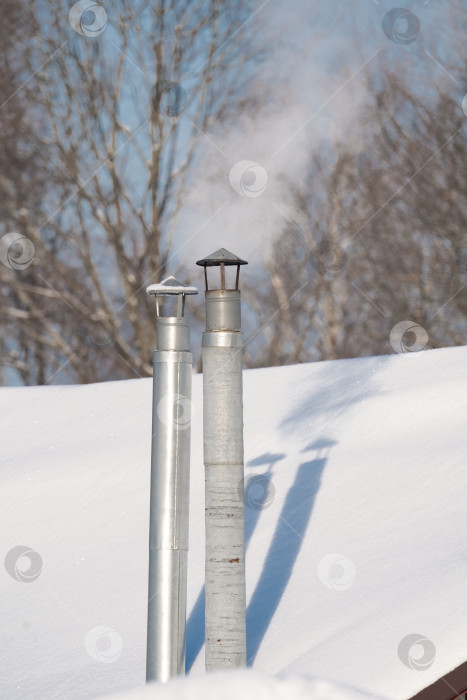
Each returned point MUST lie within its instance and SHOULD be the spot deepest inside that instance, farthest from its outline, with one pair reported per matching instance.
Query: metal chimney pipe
(170, 484)
(225, 616)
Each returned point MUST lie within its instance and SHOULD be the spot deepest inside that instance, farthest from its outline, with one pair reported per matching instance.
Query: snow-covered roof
(356, 560)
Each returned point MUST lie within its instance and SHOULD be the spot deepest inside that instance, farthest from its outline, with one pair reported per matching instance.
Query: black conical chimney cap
(221, 256)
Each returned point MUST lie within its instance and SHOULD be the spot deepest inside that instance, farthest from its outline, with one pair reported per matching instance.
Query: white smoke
(308, 101)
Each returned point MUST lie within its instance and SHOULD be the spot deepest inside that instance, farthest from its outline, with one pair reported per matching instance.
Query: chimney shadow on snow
(285, 545)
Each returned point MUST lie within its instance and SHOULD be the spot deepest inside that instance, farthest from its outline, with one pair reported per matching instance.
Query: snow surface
(232, 685)
(362, 542)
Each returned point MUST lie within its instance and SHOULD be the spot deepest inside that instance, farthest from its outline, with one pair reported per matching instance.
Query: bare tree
(23, 174)
(126, 94)
(381, 239)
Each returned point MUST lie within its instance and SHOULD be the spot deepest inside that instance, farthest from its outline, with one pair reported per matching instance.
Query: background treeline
(99, 149)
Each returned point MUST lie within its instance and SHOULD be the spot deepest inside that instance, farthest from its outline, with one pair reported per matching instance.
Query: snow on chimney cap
(170, 286)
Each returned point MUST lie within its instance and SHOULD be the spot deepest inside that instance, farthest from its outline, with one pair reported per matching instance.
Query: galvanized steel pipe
(169, 504)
